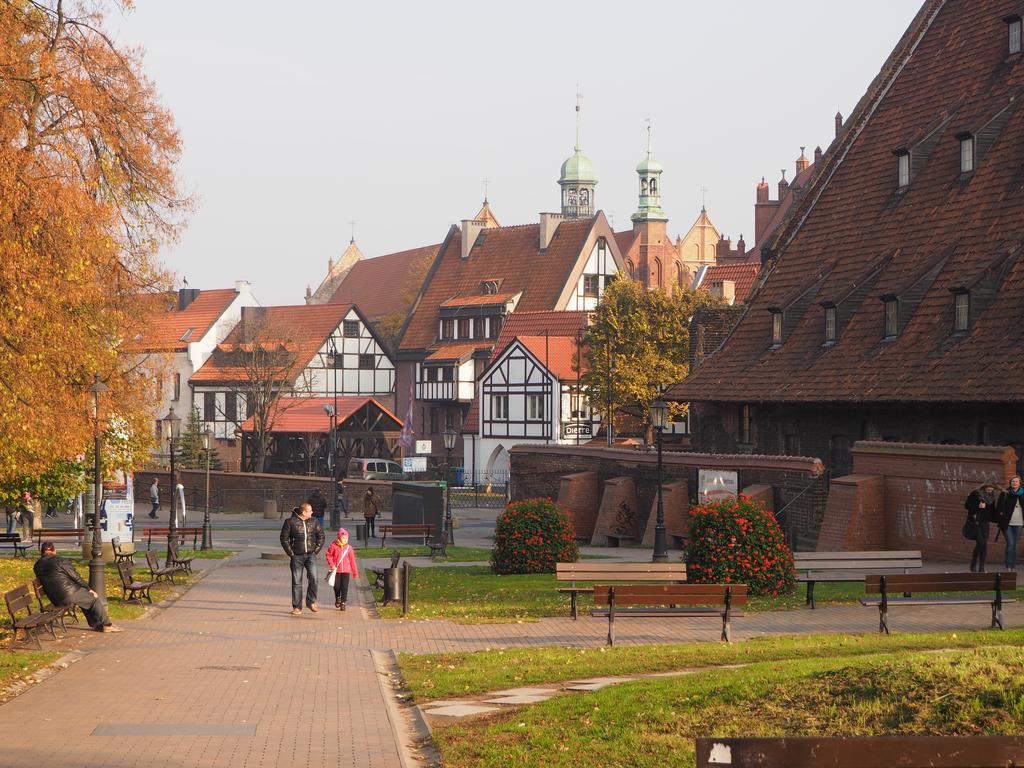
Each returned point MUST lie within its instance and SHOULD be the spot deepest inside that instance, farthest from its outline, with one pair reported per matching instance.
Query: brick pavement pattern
(227, 677)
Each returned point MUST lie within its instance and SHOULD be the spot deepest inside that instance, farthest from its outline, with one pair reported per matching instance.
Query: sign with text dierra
(716, 484)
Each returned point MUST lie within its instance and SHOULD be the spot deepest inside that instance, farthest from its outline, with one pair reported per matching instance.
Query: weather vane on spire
(579, 99)
(648, 121)
(487, 183)
(352, 225)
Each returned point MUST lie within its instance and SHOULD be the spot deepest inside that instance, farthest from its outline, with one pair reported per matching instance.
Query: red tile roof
(743, 275)
(456, 351)
(952, 63)
(307, 414)
(510, 253)
(164, 332)
(383, 285)
(301, 329)
(556, 353)
(567, 323)
(480, 301)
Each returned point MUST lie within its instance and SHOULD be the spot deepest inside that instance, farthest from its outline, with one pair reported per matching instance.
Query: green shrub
(738, 541)
(531, 536)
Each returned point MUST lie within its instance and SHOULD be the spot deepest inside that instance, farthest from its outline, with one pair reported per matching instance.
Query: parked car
(374, 469)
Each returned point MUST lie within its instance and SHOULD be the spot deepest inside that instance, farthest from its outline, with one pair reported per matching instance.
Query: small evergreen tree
(191, 449)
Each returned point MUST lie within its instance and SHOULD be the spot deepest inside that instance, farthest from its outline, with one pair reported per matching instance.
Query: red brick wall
(619, 512)
(578, 494)
(763, 493)
(676, 507)
(855, 516)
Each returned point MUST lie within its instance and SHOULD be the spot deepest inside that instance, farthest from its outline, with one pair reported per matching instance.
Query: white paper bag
(330, 576)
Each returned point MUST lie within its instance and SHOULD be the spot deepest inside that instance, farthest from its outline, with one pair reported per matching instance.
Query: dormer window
(966, 152)
(489, 287)
(961, 311)
(776, 327)
(902, 169)
(830, 325)
(1013, 29)
(892, 317)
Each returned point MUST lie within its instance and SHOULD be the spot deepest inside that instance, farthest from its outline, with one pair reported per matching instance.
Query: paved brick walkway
(226, 677)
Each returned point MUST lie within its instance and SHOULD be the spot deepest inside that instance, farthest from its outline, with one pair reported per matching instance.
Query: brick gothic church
(891, 303)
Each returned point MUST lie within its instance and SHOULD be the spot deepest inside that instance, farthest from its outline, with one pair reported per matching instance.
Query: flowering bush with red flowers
(738, 541)
(531, 536)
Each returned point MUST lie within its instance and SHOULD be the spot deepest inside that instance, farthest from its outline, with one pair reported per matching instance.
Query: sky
(299, 119)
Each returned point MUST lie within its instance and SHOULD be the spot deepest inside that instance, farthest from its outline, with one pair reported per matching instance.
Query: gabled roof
(382, 285)
(300, 330)
(307, 414)
(566, 323)
(743, 275)
(173, 329)
(510, 253)
(953, 59)
(556, 353)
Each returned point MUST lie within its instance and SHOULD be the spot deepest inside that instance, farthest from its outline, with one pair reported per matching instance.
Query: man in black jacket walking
(302, 538)
(64, 586)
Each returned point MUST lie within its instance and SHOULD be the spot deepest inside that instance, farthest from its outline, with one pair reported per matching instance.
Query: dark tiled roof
(540, 323)
(941, 232)
(382, 285)
(164, 332)
(307, 414)
(510, 253)
(743, 275)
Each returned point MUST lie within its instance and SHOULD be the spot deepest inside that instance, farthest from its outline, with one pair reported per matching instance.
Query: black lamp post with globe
(450, 436)
(172, 427)
(97, 577)
(659, 418)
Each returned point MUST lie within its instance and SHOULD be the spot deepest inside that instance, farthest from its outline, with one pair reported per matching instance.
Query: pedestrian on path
(27, 516)
(154, 498)
(12, 518)
(1011, 520)
(319, 504)
(371, 508)
(981, 509)
(302, 538)
(341, 559)
(64, 586)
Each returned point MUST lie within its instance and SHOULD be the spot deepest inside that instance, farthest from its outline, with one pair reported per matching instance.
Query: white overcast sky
(298, 118)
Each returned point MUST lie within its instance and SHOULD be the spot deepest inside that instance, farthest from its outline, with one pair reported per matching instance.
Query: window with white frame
(830, 325)
(1013, 28)
(961, 311)
(892, 318)
(903, 169)
(367, 361)
(499, 407)
(966, 153)
(578, 407)
(350, 329)
(591, 285)
(535, 407)
(776, 327)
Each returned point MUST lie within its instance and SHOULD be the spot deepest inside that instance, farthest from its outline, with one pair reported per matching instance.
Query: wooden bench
(120, 556)
(20, 601)
(14, 541)
(156, 572)
(616, 539)
(59, 534)
(605, 572)
(687, 600)
(406, 529)
(183, 564)
(47, 606)
(939, 582)
(130, 588)
(863, 752)
(182, 533)
(849, 566)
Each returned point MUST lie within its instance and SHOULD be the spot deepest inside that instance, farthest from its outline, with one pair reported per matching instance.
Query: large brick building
(891, 301)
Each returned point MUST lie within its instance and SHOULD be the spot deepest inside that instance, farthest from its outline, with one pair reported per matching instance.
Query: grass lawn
(654, 722)
(448, 675)
(455, 554)
(198, 554)
(21, 664)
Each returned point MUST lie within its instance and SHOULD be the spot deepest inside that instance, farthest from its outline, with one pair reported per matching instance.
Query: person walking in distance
(981, 510)
(302, 538)
(1011, 519)
(371, 508)
(64, 586)
(154, 498)
(319, 504)
(341, 559)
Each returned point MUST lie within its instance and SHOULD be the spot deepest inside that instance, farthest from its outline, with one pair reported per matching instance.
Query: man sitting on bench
(64, 586)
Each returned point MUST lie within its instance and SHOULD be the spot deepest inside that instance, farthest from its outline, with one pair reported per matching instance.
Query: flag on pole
(406, 437)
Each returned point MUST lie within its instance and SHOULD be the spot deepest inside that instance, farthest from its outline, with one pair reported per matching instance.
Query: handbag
(331, 575)
(970, 530)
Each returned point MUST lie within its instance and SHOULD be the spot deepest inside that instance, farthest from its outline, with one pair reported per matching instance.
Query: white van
(374, 469)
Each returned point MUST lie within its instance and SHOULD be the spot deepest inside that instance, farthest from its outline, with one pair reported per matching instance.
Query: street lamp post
(449, 443)
(207, 531)
(97, 577)
(172, 425)
(659, 418)
(332, 460)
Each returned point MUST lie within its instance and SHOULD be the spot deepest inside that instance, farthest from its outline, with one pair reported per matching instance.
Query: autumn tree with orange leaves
(87, 157)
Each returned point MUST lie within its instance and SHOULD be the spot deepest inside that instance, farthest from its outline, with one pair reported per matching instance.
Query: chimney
(548, 224)
(783, 185)
(802, 162)
(724, 246)
(309, 295)
(762, 191)
(741, 246)
(186, 296)
(330, 265)
(471, 228)
(728, 291)
(249, 322)
(817, 154)
(839, 123)
(243, 287)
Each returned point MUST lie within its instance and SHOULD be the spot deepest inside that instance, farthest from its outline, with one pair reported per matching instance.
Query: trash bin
(360, 531)
(460, 473)
(392, 585)
(270, 509)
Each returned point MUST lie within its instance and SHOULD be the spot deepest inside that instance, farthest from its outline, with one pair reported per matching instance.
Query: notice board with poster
(717, 484)
(117, 512)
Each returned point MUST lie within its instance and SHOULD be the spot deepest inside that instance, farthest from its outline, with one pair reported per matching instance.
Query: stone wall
(577, 493)
(798, 483)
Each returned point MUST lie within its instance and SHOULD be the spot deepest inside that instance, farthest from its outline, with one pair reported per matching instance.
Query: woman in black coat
(981, 510)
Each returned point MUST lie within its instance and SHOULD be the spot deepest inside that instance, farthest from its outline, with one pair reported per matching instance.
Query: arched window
(696, 252)
(572, 196)
(657, 272)
(584, 198)
(679, 274)
(629, 269)
(654, 186)
(643, 186)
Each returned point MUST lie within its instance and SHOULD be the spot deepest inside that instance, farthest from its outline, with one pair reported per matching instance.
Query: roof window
(966, 152)
(892, 317)
(186, 335)
(961, 311)
(776, 327)
(830, 325)
(1013, 29)
(902, 169)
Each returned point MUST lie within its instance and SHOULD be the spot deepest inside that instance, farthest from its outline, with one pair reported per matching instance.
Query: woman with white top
(1011, 519)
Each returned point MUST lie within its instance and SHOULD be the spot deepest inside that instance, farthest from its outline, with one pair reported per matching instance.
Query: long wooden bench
(19, 601)
(862, 752)
(131, 588)
(850, 566)
(182, 533)
(14, 541)
(47, 606)
(960, 583)
(687, 600)
(57, 535)
(604, 572)
(406, 529)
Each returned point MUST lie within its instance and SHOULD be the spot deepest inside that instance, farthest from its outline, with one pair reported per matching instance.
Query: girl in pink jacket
(341, 560)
